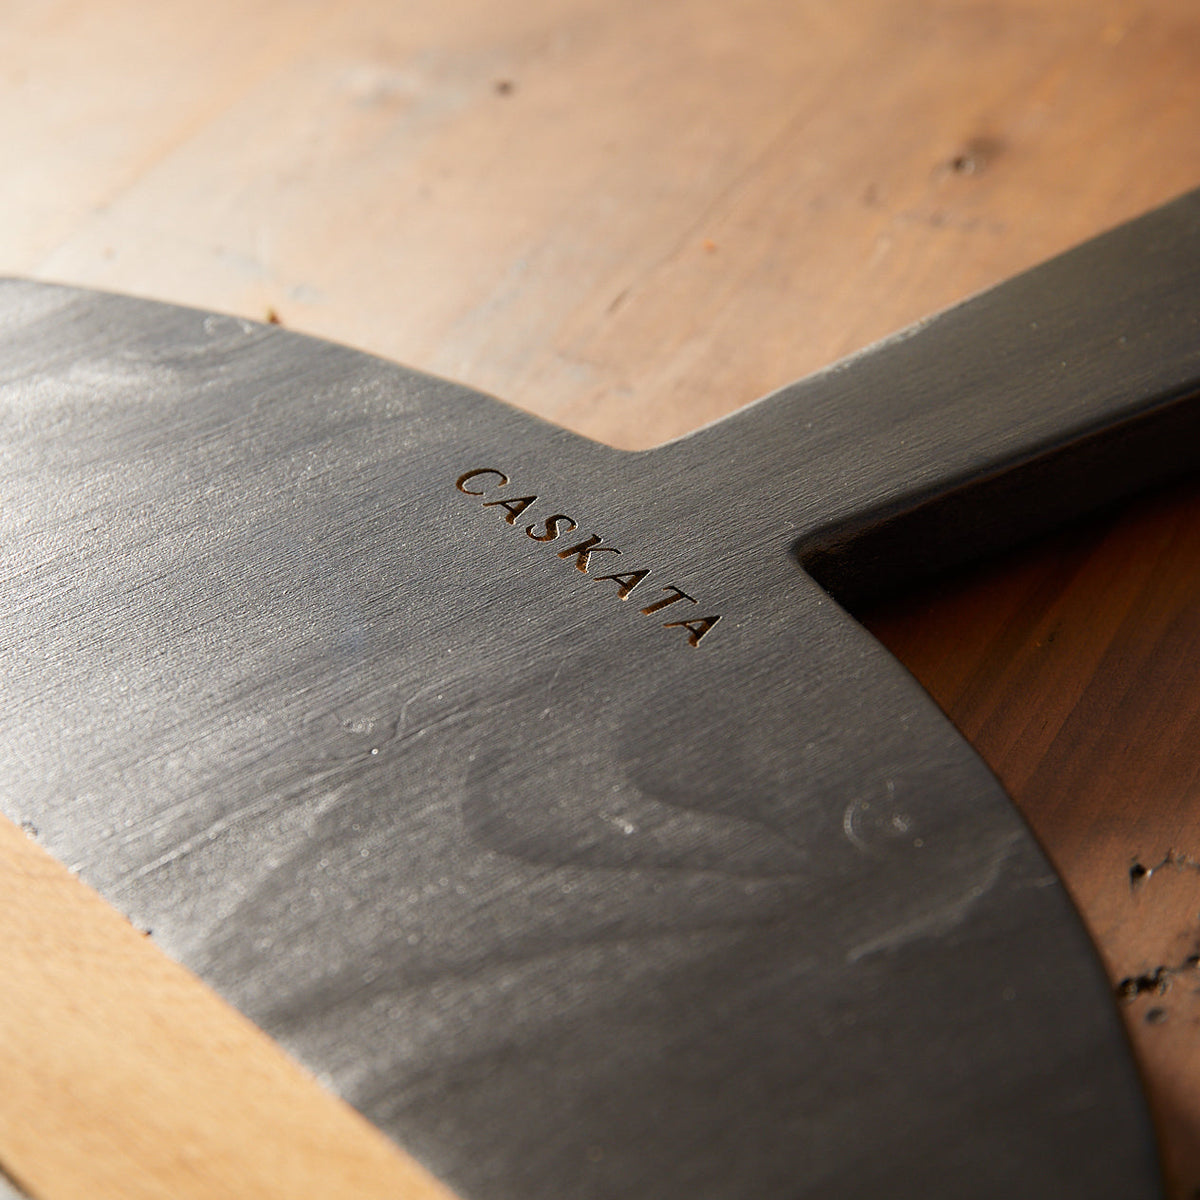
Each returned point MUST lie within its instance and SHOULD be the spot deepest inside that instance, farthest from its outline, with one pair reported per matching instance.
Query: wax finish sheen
(568, 898)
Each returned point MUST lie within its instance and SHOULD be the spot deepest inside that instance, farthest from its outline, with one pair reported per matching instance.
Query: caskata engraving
(484, 481)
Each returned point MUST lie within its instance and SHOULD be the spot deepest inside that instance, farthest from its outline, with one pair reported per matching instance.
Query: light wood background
(629, 217)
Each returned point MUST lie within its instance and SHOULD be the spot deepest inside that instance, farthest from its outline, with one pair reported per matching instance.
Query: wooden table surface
(629, 218)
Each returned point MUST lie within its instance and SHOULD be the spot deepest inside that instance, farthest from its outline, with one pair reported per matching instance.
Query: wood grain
(1074, 668)
(629, 218)
(124, 1077)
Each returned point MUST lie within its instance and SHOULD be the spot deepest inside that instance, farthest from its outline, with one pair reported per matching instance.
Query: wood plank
(631, 219)
(1074, 668)
(124, 1077)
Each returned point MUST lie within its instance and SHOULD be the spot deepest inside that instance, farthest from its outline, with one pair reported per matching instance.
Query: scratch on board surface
(942, 917)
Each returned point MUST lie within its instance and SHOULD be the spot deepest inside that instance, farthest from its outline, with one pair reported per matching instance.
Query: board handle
(1061, 391)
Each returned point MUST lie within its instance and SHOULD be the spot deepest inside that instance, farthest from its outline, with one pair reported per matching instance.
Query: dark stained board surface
(967, 141)
(309, 672)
